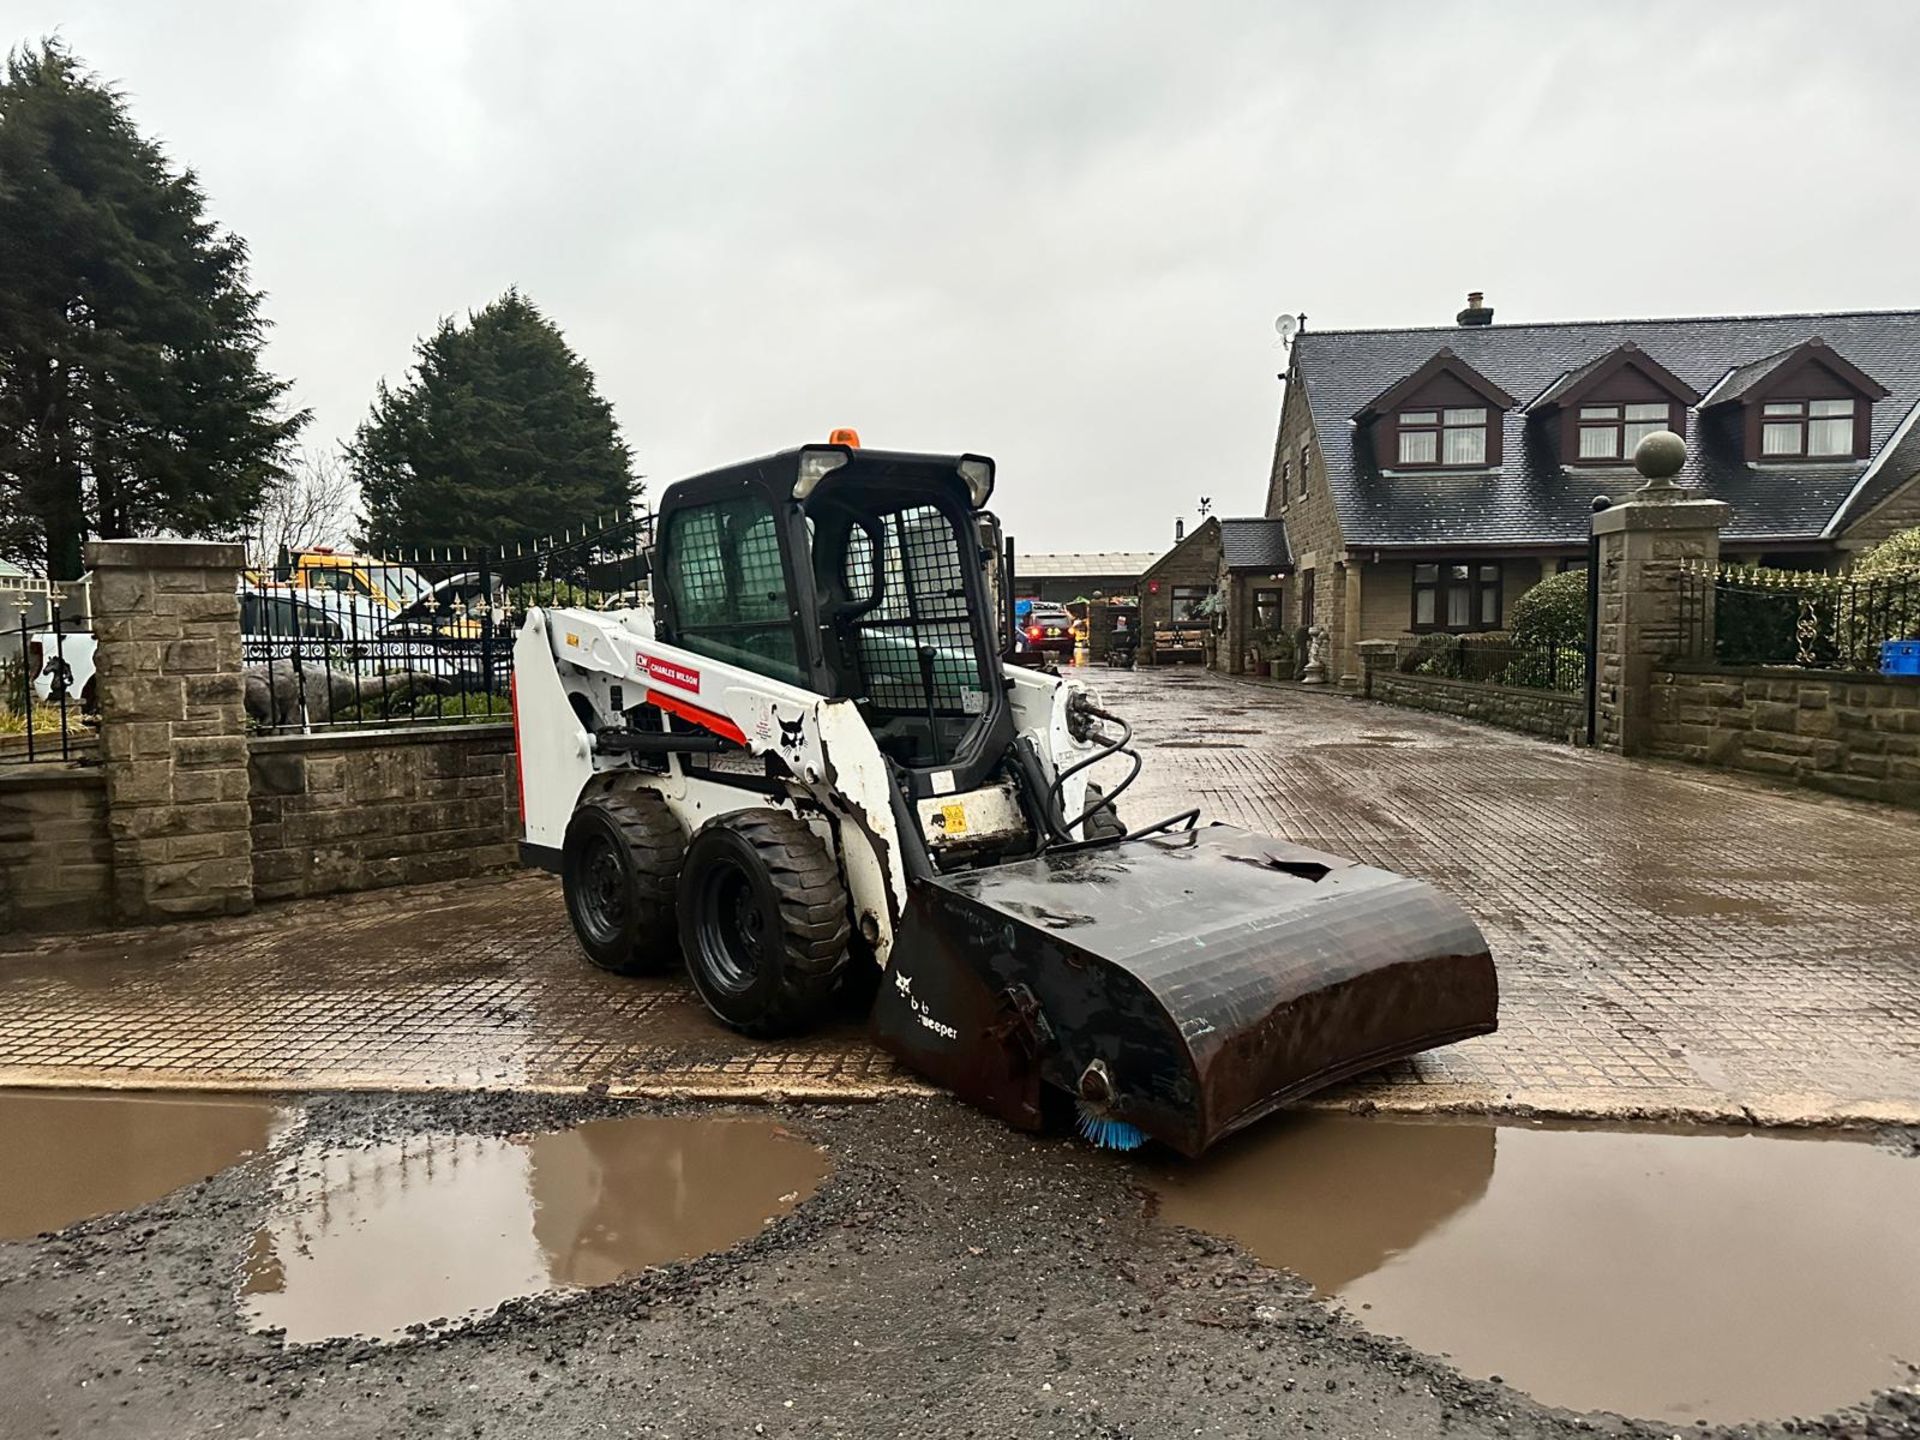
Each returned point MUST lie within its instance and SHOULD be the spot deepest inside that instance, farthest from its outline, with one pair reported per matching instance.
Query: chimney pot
(1478, 312)
(1179, 530)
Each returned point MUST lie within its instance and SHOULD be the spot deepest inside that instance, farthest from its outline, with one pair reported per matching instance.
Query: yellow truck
(382, 585)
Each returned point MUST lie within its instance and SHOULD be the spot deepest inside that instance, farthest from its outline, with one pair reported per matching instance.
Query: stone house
(1430, 476)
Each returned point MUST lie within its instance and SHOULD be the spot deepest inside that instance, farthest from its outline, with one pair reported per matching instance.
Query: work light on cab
(815, 466)
(977, 471)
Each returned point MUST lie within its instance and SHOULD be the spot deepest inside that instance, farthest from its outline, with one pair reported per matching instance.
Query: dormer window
(1444, 416)
(1444, 437)
(1601, 411)
(1806, 427)
(1614, 432)
(1808, 402)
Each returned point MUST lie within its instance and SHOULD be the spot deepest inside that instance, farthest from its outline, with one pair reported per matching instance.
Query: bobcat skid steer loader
(808, 770)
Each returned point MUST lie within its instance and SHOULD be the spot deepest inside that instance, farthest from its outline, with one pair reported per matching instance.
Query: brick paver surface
(1669, 942)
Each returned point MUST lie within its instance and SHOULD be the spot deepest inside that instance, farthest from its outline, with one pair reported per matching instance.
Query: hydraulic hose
(1056, 792)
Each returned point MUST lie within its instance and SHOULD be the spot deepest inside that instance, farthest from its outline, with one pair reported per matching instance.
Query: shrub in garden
(1553, 613)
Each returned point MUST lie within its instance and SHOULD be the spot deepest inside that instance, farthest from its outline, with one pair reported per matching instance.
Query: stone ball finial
(1659, 457)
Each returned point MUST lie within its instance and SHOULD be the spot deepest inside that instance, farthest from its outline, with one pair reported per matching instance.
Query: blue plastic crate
(1900, 657)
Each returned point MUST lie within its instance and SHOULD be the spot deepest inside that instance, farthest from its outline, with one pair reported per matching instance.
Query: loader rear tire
(619, 865)
(763, 922)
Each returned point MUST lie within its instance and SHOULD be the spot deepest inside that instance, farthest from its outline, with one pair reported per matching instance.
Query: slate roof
(1739, 381)
(1898, 463)
(1531, 499)
(1568, 379)
(1255, 543)
(1070, 565)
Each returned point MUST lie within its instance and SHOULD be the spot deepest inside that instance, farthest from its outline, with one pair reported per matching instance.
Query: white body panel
(824, 744)
(569, 661)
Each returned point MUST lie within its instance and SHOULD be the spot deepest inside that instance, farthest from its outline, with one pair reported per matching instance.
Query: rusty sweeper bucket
(1177, 987)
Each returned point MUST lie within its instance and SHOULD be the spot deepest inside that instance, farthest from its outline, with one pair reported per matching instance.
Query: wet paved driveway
(1669, 941)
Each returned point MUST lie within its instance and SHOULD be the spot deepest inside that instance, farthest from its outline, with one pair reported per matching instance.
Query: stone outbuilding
(1255, 560)
(1223, 578)
(1178, 588)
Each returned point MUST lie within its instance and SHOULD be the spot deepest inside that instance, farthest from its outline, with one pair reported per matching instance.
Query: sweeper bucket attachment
(1184, 984)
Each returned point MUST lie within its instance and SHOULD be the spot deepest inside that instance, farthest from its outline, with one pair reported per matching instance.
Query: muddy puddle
(66, 1157)
(1676, 1275)
(369, 1241)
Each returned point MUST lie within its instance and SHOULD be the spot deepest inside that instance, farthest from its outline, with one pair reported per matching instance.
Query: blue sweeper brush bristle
(1109, 1133)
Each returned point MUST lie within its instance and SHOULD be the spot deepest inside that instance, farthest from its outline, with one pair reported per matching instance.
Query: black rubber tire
(763, 922)
(619, 869)
(1105, 822)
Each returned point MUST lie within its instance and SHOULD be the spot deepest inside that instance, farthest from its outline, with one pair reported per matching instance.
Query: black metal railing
(46, 688)
(416, 635)
(1747, 615)
(1496, 660)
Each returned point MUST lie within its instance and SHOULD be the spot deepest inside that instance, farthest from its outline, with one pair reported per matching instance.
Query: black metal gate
(1600, 502)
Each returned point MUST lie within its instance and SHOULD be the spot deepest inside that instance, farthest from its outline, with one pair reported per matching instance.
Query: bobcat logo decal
(791, 733)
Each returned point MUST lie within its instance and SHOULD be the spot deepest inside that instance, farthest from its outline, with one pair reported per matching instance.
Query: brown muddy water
(1677, 1274)
(370, 1241)
(66, 1157)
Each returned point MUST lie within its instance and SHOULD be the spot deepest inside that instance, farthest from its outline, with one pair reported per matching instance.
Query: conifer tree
(132, 394)
(497, 436)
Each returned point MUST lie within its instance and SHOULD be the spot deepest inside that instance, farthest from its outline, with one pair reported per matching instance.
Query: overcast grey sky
(1057, 233)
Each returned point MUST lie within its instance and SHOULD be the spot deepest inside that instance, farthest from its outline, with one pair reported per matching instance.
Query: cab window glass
(729, 588)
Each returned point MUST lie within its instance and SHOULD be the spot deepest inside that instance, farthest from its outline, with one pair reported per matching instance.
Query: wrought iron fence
(346, 639)
(1747, 615)
(1496, 660)
(46, 686)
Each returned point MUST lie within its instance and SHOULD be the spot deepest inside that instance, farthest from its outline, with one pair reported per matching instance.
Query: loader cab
(856, 574)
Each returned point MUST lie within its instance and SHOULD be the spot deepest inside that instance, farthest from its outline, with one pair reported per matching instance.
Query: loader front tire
(763, 922)
(618, 867)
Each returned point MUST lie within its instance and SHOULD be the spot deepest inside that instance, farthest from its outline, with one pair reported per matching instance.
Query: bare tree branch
(313, 506)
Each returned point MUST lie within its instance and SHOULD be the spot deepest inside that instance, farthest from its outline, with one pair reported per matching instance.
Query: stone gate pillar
(173, 727)
(1642, 547)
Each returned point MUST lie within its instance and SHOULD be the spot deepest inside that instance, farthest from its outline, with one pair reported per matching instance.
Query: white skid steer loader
(808, 770)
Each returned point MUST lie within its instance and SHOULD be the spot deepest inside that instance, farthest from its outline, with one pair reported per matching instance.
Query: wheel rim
(605, 905)
(732, 928)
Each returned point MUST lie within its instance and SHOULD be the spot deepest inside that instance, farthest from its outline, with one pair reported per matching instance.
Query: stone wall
(1855, 735)
(1899, 511)
(56, 863)
(173, 735)
(356, 810)
(1546, 713)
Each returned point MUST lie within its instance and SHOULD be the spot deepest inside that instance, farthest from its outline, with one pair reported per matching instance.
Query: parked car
(1047, 627)
(350, 632)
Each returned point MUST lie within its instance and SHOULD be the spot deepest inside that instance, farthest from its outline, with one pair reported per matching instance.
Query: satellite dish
(1284, 326)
